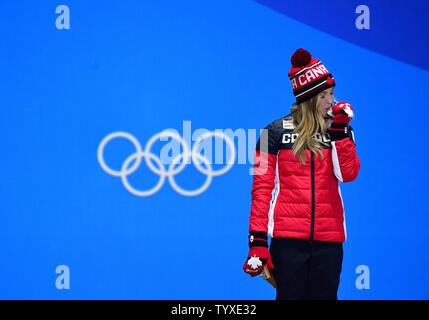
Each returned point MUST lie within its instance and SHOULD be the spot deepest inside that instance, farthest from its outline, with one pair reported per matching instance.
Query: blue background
(145, 66)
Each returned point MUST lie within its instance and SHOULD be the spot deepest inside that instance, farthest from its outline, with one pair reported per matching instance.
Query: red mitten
(258, 254)
(342, 113)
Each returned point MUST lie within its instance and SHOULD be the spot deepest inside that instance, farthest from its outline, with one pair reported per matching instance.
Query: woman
(300, 160)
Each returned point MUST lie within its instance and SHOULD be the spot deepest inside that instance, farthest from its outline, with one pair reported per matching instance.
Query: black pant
(306, 270)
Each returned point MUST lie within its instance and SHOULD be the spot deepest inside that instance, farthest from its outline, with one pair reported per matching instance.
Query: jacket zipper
(313, 197)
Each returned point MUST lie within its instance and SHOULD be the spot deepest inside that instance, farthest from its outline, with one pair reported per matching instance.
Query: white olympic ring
(186, 155)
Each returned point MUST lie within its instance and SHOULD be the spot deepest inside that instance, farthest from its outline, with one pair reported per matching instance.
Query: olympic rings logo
(160, 169)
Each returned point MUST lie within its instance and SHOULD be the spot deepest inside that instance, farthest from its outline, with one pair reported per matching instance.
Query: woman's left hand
(343, 112)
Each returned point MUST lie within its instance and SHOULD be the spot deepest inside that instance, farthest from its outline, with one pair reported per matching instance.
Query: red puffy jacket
(292, 200)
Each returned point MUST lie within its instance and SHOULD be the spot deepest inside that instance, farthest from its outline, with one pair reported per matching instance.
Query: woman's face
(326, 101)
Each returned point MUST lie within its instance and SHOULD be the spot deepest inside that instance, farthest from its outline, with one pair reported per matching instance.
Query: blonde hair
(307, 122)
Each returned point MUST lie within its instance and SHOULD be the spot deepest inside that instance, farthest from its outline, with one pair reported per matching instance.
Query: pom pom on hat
(300, 58)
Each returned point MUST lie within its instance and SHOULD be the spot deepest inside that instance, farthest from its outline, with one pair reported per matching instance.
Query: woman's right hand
(259, 255)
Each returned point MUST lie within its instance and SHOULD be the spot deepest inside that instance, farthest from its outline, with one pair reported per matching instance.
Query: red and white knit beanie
(308, 76)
